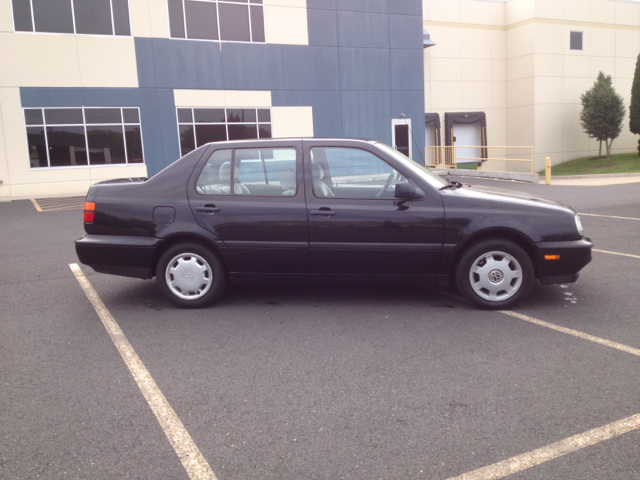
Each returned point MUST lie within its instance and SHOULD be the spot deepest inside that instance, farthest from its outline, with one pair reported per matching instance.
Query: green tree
(634, 108)
(602, 112)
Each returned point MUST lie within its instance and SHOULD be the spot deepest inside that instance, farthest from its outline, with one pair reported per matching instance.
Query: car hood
(500, 194)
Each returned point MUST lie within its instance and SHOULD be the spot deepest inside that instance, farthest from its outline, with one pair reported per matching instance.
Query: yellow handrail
(450, 159)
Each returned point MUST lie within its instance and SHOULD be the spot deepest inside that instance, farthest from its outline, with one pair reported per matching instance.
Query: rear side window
(267, 172)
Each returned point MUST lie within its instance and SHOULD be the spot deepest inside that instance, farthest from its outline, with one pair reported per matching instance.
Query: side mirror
(406, 191)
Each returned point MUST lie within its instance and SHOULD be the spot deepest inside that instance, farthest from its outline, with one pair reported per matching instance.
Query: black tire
(191, 275)
(502, 274)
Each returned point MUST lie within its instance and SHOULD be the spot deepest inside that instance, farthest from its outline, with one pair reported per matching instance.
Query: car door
(252, 197)
(356, 226)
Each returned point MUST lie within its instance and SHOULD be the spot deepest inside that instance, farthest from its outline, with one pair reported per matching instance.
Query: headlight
(579, 225)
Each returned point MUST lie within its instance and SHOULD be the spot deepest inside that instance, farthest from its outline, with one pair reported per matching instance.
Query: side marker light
(552, 257)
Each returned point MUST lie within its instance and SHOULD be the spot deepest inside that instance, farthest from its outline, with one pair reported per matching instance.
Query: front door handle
(323, 211)
(208, 209)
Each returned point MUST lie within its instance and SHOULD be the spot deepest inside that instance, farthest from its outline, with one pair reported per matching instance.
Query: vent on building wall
(426, 39)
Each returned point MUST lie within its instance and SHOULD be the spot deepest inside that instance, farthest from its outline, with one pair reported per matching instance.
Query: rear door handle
(208, 209)
(327, 212)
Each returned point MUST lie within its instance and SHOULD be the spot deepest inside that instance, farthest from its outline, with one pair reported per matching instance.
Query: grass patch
(620, 163)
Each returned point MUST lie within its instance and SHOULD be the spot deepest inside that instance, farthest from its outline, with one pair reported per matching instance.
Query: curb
(521, 177)
(597, 175)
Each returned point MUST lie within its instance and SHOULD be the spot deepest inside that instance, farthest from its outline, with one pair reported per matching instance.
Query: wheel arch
(191, 238)
(500, 233)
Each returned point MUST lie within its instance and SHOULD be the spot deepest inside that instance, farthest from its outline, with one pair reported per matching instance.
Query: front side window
(69, 137)
(218, 20)
(352, 173)
(92, 17)
(198, 126)
(266, 172)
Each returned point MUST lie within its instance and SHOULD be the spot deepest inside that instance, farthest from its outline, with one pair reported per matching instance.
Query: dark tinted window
(106, 144)
(67, 146)
(53, 16)
(102, 115)
(64, 116)
(37, 147)
(22, 15)
(131, 115)
(93, 16)
(209, 115)
(257, 24)
(33, 116)
(264, 130)
(242, 132)
(184, 115)
(187, 139)
(121, 17)
(176, 19)
(109, 140)
(202, 20)
(210, 133)
(264, 115)
(241, 115)
(576, 40)
(134, 144)
(234, 22)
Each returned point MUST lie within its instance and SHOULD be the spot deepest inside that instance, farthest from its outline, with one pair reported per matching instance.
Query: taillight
(89, 212)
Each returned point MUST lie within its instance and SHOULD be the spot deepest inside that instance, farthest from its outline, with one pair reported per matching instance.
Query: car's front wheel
(190, 275)
(494, 274)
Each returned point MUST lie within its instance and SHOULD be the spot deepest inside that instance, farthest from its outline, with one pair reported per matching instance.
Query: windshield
(433, 179)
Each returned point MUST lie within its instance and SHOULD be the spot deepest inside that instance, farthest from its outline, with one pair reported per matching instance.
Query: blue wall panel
(322, 27)
(365, 68)
(145, 62)
(358, 29)
(50, 97)
(407, 69)
(186, 64)
(405, 7)
(322, 4)
(311, 68)
(406, 32)
(378, 6)
(252, 67)
(367, 115)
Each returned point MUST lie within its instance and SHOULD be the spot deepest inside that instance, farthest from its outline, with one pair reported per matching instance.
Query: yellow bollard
(547, 170)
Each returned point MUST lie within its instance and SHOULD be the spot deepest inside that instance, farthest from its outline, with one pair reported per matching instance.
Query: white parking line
(194, 463)
(616, 253)
(609, 216)
(575, 333)
(563, 447)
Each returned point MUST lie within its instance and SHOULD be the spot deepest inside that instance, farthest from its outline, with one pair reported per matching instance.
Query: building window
(69, 137)
(198, 126)
(91, 17)
(220, 20)
(576, 41)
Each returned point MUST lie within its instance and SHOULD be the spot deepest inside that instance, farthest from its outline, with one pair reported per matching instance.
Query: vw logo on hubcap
(496, 276)
(188, 276)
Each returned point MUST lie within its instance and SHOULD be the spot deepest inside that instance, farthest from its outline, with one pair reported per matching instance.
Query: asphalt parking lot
(372, 382)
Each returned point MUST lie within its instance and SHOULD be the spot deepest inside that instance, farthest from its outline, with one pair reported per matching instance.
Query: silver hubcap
(188, 276)
(495, 276)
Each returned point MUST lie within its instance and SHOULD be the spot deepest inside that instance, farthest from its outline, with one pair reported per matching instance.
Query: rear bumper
(574, 256)
(119, 255)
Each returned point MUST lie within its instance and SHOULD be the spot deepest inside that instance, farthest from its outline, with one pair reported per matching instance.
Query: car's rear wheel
(190, 275)
(494, 274)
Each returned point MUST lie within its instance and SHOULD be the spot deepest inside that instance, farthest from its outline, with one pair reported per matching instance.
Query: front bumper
(573, 257)
(119, 255)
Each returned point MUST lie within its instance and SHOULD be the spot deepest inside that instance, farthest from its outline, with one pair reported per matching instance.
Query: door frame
(402, 121)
